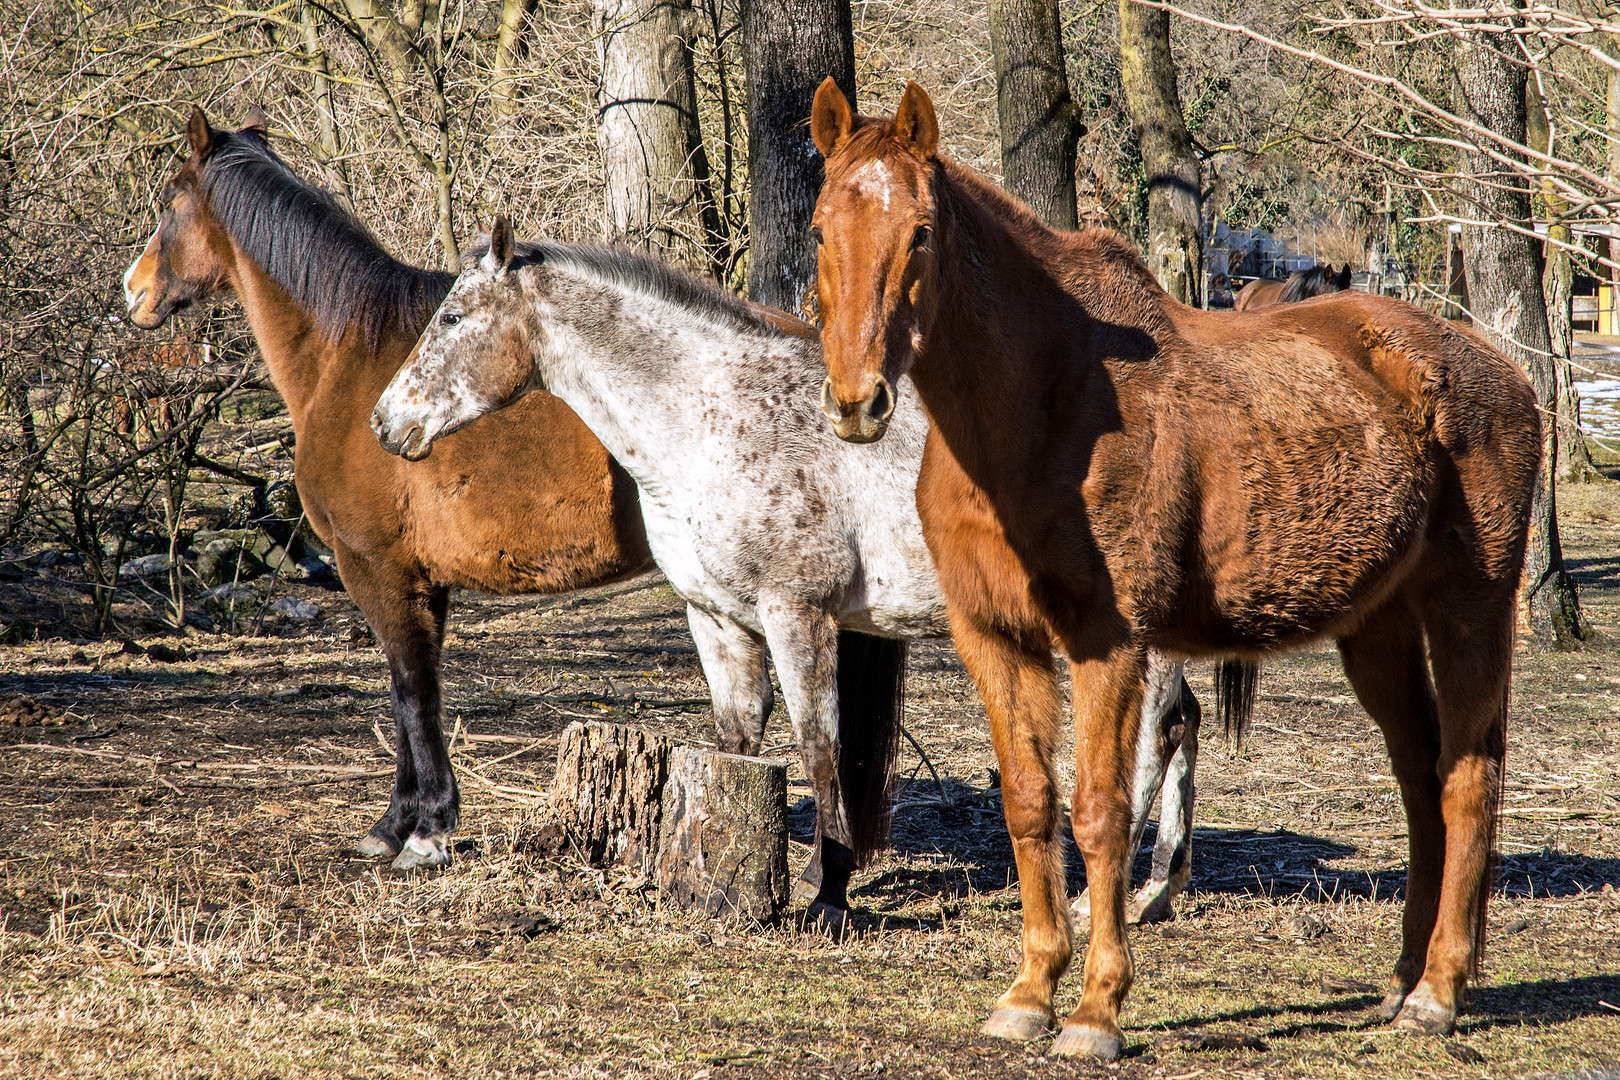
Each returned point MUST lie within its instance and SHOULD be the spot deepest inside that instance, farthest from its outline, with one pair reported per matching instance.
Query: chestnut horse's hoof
(1424, 1015)
(373, 846)
(1390, 1007)
(1083, 1040)
(1020, 1025)
(828, 920)
(430, 851)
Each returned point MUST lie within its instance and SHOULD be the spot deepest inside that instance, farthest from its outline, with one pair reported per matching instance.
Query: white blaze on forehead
(873, 181)
(130, 297)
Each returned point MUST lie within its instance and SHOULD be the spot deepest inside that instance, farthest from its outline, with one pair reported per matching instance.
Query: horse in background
(144, 367)
(1300, 285)
(1114, 472)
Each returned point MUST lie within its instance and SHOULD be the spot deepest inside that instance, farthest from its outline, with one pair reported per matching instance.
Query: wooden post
(608, 791)
(724, 847)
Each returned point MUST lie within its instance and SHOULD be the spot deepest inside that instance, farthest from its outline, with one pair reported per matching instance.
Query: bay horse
(1112, 471)
(776, 534)
(1300, 285)
(534, 504)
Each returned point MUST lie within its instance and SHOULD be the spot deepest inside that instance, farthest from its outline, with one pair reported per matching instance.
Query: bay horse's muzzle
(861, 421)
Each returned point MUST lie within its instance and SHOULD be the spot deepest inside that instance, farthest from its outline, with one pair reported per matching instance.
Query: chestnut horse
(1300, 285)
(533, 504)
(1112, 471)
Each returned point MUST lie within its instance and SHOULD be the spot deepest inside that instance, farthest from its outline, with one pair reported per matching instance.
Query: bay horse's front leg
(1017, 679)
(407, 614)
(1107, 708)
(804, 643)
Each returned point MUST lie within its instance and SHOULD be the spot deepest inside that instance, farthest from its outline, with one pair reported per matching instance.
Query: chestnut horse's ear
(200, 134)
(501, 244)
(831, 120)
(256, 122)
(915, 123)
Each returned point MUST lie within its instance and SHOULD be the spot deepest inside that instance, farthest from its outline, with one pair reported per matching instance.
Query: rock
(293, 608)
(166, 654)
(146, 566)
(220, 597)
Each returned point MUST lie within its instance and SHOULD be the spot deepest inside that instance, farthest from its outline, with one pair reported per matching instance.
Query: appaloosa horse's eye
(449, 318)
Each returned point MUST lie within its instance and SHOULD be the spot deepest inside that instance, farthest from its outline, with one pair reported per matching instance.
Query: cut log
(724, 847)
(608, 791)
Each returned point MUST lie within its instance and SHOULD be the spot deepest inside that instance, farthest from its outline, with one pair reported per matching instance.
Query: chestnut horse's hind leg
(1384, 661)
(1018, 683)
(407, 615)
(1107, 710)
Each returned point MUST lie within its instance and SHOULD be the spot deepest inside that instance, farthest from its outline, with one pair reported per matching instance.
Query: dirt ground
(180, 897)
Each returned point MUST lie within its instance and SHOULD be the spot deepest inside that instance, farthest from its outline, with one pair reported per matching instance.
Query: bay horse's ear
(501, 244)
(200, 134)
(831, 119)
(256, 122)
(915, 123)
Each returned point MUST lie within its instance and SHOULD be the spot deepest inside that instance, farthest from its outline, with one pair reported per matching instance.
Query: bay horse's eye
(449, 318)
(920, 237)
(815, 233)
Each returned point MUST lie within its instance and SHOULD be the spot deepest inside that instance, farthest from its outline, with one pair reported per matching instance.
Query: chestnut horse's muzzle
(861, 421)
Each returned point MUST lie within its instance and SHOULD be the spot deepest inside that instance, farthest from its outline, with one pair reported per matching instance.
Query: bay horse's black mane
(300, 236)
(1317, 281)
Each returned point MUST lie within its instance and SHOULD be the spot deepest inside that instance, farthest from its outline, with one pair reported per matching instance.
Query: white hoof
(1020, 1025)
(375, 847)
(1083, 1040)
(429, 851)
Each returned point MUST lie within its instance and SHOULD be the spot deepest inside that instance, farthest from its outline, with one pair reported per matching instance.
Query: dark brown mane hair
(300, 236)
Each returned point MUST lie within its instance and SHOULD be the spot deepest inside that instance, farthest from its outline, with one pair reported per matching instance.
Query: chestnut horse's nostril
(829, 404)
(882, 404)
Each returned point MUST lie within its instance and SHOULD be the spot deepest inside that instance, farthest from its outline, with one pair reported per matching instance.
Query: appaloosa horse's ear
(831, 119)
(915, 123)
(256, 122)
(501, 244)
(200, 134)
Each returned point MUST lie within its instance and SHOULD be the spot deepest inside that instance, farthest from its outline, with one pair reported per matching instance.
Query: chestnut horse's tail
(1235, 685)
(871, 699)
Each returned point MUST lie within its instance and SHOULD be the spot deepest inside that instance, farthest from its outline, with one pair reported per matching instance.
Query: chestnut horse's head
(188, 256)
(476, 355)
(874, 227)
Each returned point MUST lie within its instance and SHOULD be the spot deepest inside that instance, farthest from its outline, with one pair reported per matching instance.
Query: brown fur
(529, 503)
(1110, 470)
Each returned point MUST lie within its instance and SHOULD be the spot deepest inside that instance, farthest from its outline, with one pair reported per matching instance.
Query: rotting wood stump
(608, 791)
(724, 847)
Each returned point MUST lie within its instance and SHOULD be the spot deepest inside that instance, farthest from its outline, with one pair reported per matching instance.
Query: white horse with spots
(778, 535)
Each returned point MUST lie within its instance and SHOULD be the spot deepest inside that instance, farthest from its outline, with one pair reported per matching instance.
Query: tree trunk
(1504, 270)
(658, 189)
(789, 46)
(337, 176)
(1573, 463)
(508, 50)
(1175, 230)
(1040, 123)
(385, 35)
(724, 847)
(609, 789)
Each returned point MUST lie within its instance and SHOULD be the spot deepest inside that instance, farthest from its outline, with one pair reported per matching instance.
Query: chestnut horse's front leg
(1107, 709)
(1018, 682)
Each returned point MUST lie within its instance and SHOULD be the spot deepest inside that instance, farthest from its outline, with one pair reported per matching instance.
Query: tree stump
(724, 846)
(608, 791)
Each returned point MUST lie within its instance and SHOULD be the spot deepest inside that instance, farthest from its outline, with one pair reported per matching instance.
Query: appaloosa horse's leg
(734, 663)
(1177, 724)
(1107, 708)
(1018, 682)
(407, 614)
(804, 643)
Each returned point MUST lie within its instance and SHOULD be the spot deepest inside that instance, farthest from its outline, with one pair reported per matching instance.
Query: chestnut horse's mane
(636, 271)
(300, 236)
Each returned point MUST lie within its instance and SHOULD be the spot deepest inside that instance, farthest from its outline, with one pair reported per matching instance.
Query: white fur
(130, 298)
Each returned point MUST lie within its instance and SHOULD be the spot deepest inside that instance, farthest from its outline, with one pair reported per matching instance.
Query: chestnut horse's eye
(920, 237)
(449, 318)
(815, 233)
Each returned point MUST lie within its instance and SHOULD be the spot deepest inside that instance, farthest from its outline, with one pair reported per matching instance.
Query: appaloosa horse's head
(873, 225)
(476, 355)
(188, 257)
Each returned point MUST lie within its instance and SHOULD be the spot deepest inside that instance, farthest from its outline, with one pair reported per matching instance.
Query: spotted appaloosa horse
(1113, 471)
(1300, 285)
(774, 532)
(533, 504)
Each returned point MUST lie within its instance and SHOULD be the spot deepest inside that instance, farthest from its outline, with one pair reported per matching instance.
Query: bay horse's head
(476, 355)
(188, 256)
(873, 228)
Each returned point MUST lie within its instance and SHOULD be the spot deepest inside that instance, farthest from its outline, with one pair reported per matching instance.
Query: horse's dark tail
(871, 699)
(1235, 685)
